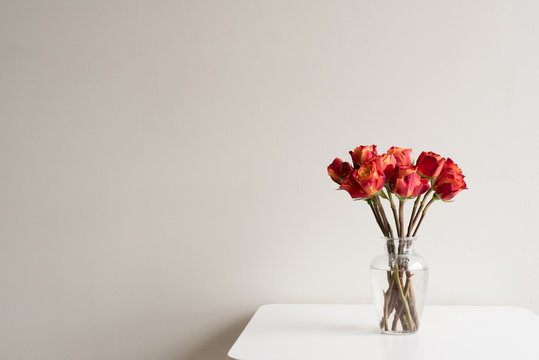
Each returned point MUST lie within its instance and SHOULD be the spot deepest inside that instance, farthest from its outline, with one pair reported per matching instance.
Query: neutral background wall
(163, 162)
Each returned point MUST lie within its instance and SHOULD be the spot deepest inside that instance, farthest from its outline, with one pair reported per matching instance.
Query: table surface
(342, 332)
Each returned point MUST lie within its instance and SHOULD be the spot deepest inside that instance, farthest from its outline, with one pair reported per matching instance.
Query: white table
(342, 332)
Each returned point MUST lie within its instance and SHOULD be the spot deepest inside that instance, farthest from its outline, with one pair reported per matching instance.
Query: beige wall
(163, 163)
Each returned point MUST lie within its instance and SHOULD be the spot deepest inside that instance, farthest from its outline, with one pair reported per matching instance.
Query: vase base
(391, 332)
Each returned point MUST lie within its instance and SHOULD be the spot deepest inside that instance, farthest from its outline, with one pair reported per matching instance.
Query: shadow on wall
(216, 347)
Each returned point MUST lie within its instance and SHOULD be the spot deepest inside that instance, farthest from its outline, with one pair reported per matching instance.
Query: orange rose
(338, 170)
(362, 154)
(386, 163)
(429, 164)
(450, 182)
(365, 181)
(403, 156)
(407, 182)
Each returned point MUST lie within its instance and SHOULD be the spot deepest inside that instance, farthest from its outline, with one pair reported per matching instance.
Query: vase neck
(399, 246)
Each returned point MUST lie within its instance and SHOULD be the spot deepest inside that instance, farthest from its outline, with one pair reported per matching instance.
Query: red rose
(402, 156)
(365, 181)
(407, 182)
(450, 182)
(338, 170)
(362, 154)
(429, 164)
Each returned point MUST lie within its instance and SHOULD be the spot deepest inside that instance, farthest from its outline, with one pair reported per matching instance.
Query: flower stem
(389, 230)
(416, 202)
(434, 198)
(401, 217)
(420, 207)
(394, 210)
(377, 217)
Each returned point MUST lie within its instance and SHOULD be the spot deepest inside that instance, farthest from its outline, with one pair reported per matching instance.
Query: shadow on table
(368, 330)
(217, 346)
(330, 330)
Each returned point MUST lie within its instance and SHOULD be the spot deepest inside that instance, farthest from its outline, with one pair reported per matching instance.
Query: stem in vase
(406, 294)
(393, 298)
(387, 298)
(411, 299)
(396, 318)
(389, 301)
(406, 324)
(403, 298)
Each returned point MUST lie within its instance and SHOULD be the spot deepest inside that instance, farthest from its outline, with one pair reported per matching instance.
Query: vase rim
(405, 238)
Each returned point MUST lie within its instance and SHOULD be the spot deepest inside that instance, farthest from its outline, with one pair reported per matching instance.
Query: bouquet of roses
(395, 177)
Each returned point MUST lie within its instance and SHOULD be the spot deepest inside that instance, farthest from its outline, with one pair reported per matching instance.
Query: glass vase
(399, 279)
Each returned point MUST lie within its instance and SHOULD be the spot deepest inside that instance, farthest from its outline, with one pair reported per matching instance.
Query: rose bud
(387, 163)
(362, 154)
(450, 182)
(403, 156)
(338, 170)
(429, 165)
(407, 183)
(365, 181)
